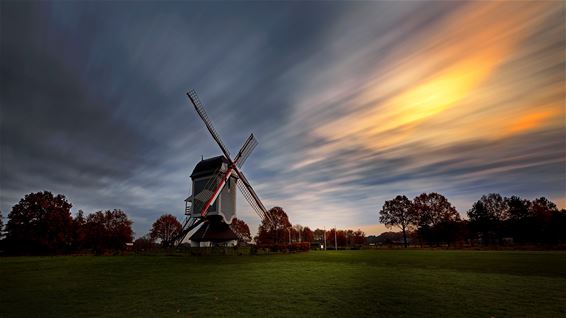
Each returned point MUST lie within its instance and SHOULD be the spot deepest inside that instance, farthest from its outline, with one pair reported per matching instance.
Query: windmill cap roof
(208, 166)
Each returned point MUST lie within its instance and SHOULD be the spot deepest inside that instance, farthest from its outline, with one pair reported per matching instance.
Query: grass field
(377, 283)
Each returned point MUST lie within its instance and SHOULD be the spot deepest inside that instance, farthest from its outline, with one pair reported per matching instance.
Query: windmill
(212, 204)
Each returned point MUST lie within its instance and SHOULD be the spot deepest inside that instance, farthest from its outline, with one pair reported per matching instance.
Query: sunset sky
(352, 103)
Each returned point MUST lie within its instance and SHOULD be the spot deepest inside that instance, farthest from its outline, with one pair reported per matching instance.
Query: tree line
(41, 223)
(280, 232)
(492, 220)
(277, 234)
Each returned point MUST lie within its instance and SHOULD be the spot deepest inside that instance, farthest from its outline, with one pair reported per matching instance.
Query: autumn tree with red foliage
(296, 233)
(40, 223)
(79, 231)
(165, 229)
(108, 230)
(340, 239)
(318, 235)
(307, 235)
(242, 230)
(359, 238)
(274, 232)
(144, 243)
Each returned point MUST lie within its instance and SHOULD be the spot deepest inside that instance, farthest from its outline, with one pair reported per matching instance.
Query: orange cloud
(529, 121)
(444, 71)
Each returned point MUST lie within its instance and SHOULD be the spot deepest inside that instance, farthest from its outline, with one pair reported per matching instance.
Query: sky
(352, 103)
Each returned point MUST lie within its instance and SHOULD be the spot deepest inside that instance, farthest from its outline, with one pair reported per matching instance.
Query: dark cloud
(93, 94)
(93, 105)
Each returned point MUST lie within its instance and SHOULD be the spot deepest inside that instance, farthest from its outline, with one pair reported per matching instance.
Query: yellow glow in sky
(446, 73)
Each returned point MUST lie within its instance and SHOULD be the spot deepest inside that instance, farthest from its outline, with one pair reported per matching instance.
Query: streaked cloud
(352, 103)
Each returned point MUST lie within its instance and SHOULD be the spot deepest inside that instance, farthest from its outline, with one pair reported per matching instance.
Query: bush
(300, 247)
(293, 247)
(144, 244)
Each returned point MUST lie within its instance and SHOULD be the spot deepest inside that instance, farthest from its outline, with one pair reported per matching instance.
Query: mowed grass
(367, 283)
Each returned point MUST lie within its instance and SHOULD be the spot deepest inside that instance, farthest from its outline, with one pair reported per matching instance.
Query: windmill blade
(249, 188)
(200, 110)
(251, 196)
(245, 151)
(247, 195)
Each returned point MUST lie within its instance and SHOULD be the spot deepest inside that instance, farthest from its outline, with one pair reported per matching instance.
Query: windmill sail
(257, 209)
(200, 110)
(245, 151)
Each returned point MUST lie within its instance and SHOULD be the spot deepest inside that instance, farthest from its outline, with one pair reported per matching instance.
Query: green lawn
(381, 283)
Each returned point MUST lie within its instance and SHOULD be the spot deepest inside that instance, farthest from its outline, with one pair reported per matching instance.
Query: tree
(108, 230)
(487, 216)
(349, 237)
(435, 215)
(341, 238)
(242, 230)
(1, 226)
(398, 212)
(557, 226)
(360, 237)
(330, 238)
(297, 233)
(386, 238)
(318, 235)
(480, 220)
(274, 232)
(496, 206)
(40, 223)
(79, 230)
(336, 238)
(517, 208)
(542, 206)
(519, 214)
(542, 211)
(165, 229)
(307, 235)
(144, 243)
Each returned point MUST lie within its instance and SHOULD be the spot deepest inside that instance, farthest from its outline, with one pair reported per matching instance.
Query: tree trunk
(405, 236)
